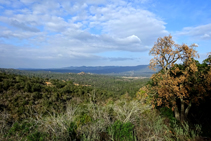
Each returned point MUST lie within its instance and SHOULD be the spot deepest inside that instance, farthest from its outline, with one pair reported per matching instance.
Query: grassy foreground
(121, 120)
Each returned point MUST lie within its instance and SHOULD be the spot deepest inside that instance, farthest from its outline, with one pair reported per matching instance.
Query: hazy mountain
(140, 70)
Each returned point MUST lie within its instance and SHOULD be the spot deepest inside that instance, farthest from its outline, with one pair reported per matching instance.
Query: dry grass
(93, 120)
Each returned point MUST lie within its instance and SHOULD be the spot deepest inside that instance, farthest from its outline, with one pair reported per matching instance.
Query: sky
(62, 33)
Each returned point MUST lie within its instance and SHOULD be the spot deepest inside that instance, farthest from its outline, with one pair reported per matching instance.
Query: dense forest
(111, 84)
(172, 105)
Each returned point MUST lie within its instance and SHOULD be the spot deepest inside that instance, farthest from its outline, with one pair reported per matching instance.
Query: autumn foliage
(177, 86)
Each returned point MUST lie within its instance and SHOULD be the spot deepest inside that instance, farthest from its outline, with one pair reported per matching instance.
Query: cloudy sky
(61, 33)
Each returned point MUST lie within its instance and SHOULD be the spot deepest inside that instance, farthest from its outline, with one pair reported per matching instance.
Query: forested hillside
(112, 85)
(19, 92)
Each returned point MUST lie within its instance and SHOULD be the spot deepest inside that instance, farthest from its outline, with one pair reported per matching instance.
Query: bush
(36, 136)
(72, 131)
(169, 114)
(20, 128)
(121, 131)
(184, 132)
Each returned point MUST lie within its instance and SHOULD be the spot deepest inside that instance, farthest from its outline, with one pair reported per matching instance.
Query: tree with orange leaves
(173, 84)
(208, 60)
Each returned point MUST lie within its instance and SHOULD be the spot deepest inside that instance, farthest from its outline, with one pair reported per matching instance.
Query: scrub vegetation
(172, 105)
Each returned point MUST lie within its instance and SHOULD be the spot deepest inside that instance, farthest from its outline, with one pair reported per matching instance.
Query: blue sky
(54, 34)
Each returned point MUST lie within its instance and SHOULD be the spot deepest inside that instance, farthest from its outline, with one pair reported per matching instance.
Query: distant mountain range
(140, 70)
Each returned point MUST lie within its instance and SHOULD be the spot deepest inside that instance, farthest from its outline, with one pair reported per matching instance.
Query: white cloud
(134, 38)
(5, 2)
(126, 21)
(24, 26)
(139, 1)
(199, 32)
(51, 30)
(206, 36)
(28, 1)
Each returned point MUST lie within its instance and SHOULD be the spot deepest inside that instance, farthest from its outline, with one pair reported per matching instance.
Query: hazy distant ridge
(140, 70)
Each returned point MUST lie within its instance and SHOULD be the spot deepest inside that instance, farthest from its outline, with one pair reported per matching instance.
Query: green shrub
(83, 119)
(27, 87)
(20, 128)
(6, 84)
(167, 112)
(121, 131)
(36, 136)
(185, 132)
(72, 131)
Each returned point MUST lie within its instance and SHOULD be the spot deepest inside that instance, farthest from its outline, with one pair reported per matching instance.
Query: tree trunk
(182, 114)
(176, 113)
(187, 109)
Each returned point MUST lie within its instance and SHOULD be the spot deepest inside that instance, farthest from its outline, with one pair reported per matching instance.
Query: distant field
(134, 77)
